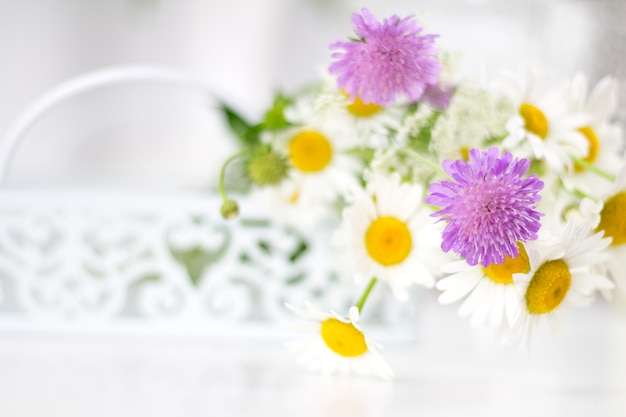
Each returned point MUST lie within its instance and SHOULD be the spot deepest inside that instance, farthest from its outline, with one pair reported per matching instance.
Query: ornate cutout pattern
(167, 264)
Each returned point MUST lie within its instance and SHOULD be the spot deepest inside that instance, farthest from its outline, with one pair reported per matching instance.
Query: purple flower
(489, 207)
(438, 96)
(390, 58)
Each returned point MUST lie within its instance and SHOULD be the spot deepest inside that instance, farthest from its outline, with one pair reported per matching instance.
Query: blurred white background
(248, 50)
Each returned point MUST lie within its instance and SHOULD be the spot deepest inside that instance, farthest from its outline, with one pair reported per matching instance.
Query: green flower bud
(230, 209)
(267, 168)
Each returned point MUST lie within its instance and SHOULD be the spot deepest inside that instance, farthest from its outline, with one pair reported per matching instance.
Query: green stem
(593, 168)
(580, 194)
(223, 172)
(418, 157)
(366, 294)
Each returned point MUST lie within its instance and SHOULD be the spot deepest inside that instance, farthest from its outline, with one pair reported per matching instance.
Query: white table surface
(453, 370)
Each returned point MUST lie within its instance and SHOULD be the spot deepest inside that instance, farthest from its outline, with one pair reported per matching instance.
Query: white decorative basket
(143, 263)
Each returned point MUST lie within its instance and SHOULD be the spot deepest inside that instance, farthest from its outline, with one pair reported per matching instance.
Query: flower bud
(267, 168)
(229, 209)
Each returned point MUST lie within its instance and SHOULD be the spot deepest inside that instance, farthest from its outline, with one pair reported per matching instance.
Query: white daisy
(370, 123)
(387, 233)
(286, 204)
(543, 128)
(337, 344)
(490, 294)
(316, 149)
(560, 206)
(605, 139)
(613, 223)
(562, 274)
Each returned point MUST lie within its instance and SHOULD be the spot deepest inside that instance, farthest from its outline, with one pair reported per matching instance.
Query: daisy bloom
(488, 206)
(543, 127)
(489, 293)
(390, 58)
(370, 123)
(560, 207)
(285, 203)
(316, 149)
(385, 233)
(561, 274)
(613, 224)
(605, 139)
(337, 344)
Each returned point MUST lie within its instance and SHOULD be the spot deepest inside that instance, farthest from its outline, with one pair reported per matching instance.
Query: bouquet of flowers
(507, 197)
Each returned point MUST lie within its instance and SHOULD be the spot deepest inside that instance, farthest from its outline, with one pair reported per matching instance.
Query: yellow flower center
(594, 147)
(613, 218)
(310, 151)
(534, 120)
(361, 109)
(465, 153)
(503, 273)
(548, 287)
(388, 241)
(343, 338)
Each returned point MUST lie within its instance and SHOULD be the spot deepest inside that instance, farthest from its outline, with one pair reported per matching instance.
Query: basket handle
(85, 83)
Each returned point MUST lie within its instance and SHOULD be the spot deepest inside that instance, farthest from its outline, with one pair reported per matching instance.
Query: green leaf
(367, 154)
(274, 118)
(421, 141)
(495, 140)
(537, 167)
(246, 132)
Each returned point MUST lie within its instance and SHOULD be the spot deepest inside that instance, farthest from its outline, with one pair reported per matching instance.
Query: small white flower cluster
(474, 116)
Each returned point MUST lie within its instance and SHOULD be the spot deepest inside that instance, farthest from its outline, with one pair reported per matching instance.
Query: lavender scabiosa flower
(390, 58)
(489, 207)
(438, 96)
